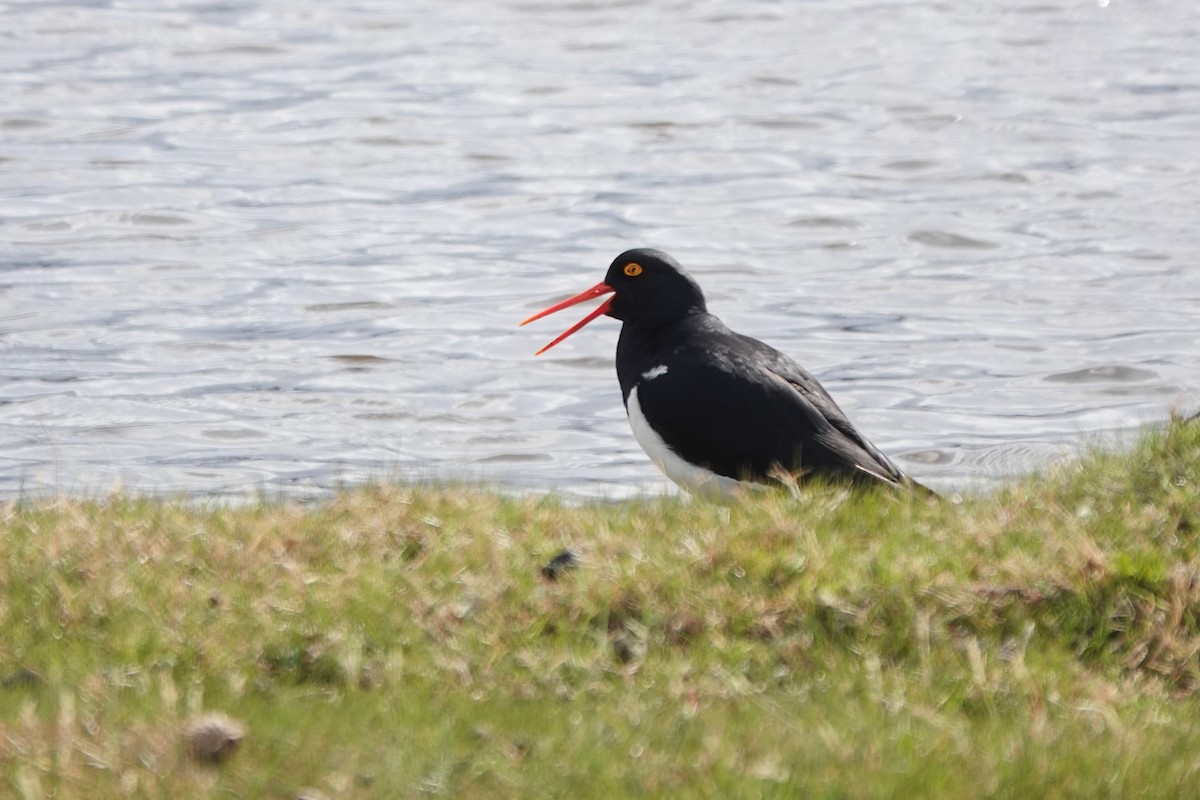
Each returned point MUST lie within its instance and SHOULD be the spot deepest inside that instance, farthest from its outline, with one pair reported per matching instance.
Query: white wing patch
(654, 372)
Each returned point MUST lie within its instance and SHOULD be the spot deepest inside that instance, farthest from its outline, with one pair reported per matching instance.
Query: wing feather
(744, 410)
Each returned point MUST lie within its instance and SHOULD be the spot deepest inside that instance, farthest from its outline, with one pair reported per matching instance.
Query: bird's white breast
(686, 475)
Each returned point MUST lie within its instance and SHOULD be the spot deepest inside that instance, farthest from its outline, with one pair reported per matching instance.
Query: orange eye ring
(633, 270)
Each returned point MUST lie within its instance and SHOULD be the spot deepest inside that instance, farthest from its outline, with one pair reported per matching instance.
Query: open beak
(595, 291)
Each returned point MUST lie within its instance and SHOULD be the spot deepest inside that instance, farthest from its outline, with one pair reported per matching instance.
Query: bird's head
(648, 287)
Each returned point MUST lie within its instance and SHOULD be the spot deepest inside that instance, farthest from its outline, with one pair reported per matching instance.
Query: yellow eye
(633, 270)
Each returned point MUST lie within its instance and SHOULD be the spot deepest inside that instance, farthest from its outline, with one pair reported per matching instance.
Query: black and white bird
(717, 411)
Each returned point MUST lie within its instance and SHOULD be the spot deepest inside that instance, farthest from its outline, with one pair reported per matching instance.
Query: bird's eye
(633, 270)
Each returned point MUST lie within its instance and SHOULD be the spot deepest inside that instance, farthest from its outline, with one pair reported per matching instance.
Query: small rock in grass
(628, 650)
(213, 737)
(21, 677)
(564, 561)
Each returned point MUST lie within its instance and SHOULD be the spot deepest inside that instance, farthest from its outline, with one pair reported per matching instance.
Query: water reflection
(279, 248)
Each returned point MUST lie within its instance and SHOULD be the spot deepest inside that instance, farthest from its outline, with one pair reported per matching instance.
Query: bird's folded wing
(743, 420)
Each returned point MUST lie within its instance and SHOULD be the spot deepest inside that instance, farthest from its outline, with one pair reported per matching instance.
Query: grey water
(281, 247)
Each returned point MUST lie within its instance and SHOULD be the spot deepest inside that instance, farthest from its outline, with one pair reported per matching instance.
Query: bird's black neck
(643, 346)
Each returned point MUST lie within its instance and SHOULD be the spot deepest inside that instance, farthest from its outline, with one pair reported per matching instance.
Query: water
(283, 246)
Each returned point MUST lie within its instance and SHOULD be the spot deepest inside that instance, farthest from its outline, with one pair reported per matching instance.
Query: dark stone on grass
(212, 737)
(21, 677)
(564, 561)
(628, 650)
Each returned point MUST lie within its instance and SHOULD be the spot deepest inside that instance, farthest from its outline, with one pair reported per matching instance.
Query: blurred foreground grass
(1041, 641)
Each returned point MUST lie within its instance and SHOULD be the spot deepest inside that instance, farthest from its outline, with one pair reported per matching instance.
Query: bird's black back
(738, 407)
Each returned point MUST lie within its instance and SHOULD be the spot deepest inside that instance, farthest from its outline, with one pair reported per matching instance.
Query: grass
(402, 642)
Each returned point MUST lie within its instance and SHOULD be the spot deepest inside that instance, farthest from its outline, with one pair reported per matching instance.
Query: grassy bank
(399, 642)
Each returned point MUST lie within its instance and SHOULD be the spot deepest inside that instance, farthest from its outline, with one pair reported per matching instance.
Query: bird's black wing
(846, 440)
(742, 409)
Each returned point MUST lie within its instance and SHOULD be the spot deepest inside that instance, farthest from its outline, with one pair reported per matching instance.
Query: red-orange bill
(595, 291)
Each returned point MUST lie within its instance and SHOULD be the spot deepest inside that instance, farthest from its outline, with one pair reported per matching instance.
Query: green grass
(1040, 641)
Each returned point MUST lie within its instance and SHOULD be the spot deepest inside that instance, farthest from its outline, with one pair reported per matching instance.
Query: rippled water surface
(283, 246)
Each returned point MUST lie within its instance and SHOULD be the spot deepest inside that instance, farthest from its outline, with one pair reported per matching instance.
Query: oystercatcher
(717, 411)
